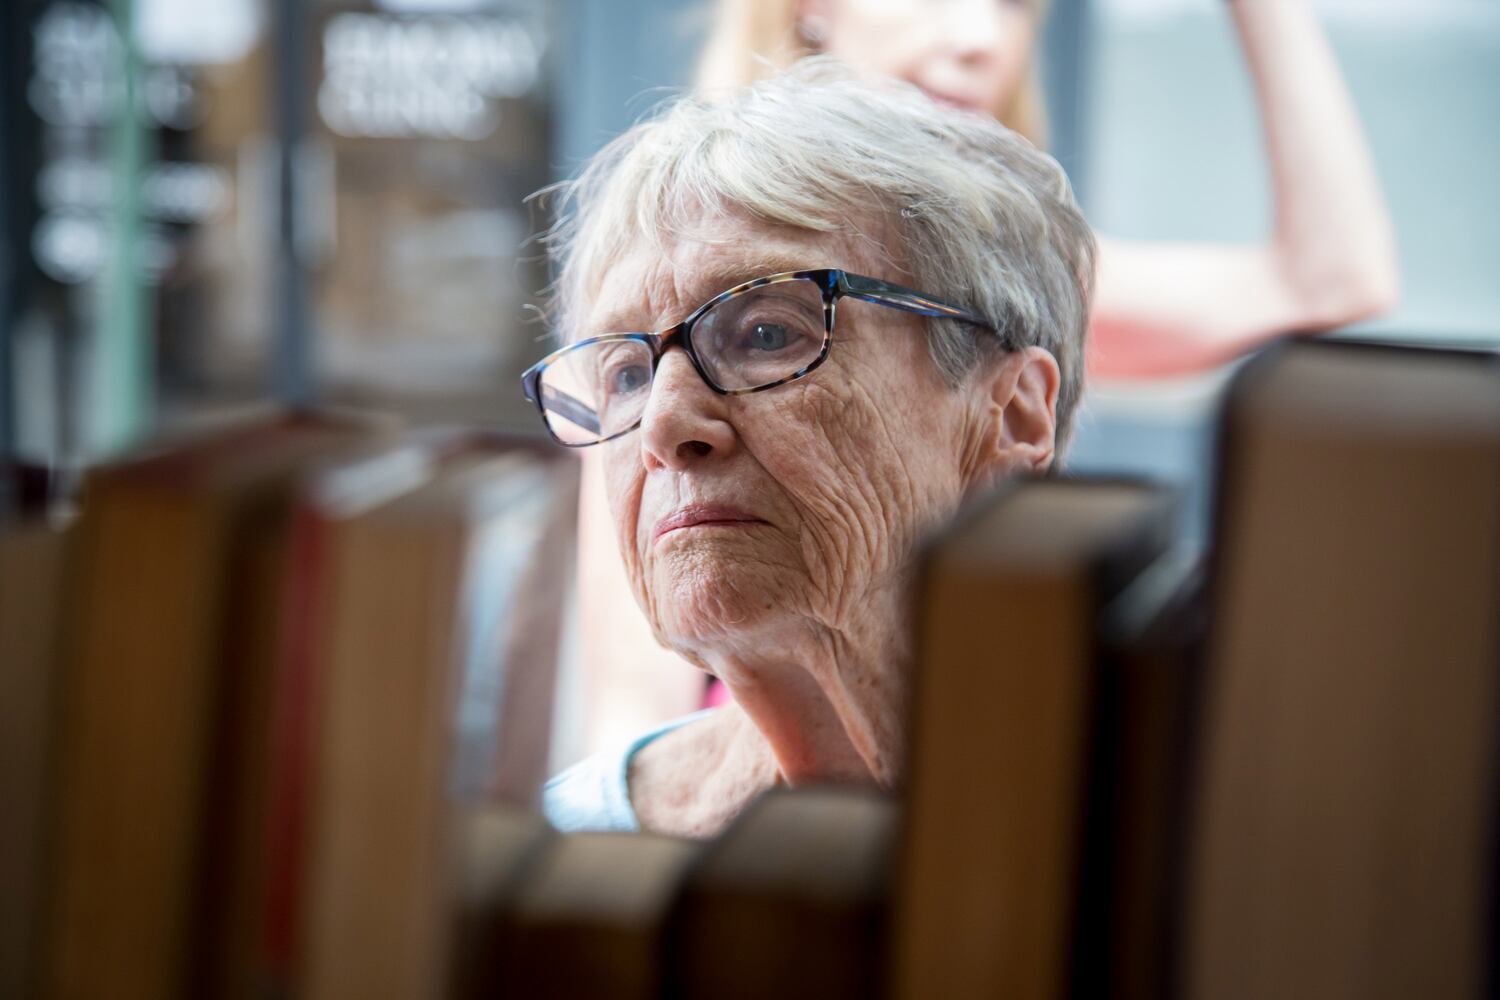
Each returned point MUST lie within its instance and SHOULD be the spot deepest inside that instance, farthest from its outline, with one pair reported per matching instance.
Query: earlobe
(1020, 414)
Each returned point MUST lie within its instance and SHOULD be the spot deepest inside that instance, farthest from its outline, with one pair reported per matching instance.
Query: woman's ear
(1019, 432)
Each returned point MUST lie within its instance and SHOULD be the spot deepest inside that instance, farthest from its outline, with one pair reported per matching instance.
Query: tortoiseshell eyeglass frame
(834, 284)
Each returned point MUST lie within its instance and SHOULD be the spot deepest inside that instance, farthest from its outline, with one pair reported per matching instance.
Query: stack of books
(261, 694)
(276, 709)
(1273, 776)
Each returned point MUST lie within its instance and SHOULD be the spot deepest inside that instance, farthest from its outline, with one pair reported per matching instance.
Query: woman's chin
(709, 609)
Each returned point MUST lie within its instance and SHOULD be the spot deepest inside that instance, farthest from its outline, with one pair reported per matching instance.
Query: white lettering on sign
(439, 76)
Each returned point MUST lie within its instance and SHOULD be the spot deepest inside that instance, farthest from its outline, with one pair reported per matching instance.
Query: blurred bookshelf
(244, 200)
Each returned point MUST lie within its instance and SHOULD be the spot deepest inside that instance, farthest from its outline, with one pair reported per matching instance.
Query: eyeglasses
(754, 337)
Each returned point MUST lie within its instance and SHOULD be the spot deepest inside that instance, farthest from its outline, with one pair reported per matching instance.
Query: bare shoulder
(693, 780)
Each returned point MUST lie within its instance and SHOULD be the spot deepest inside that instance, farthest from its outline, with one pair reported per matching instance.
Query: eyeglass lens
(753, 339)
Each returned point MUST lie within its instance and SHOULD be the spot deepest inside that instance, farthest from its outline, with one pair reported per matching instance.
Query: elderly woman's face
(751, 522)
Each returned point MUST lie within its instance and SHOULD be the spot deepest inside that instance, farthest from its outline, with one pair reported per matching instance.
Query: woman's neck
(829, 702)
(832, 715)
(693, 780)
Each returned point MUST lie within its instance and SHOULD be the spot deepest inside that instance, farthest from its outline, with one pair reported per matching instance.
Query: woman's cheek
(833, 462)
(623, 480)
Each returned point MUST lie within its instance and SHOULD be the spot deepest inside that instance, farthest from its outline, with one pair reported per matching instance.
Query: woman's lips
(699, 515)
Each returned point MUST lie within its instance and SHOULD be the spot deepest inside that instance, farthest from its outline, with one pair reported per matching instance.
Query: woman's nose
(972, 29)
(685, 421)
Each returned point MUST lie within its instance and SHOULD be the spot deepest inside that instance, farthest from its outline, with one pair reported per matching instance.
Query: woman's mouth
(959, 101)
(703, 515)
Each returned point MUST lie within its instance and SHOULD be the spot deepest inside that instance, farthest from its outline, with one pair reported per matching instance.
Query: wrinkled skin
(801, 613)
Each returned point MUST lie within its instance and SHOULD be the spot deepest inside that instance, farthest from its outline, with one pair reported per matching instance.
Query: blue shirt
(594, 794)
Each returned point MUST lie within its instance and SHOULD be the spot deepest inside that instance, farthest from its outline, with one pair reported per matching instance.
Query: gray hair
(984, 218)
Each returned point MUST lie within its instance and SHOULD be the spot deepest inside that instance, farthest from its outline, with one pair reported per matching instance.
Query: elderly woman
(801, 327)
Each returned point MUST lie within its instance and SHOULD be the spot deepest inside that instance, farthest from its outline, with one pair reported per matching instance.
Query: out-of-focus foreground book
(169, 563)
(282, 675)
(589, 917)
(1006, 696)
(428, 594)
(1344, 838)
(791, 901)
(32, 559)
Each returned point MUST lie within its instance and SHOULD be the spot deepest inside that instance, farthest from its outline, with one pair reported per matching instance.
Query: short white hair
(983, 218)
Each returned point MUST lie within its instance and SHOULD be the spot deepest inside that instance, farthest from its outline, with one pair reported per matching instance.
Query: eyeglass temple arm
(908, 300)
(570, 408)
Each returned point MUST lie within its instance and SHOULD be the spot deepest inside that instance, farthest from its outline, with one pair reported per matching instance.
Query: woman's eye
(627, 379)
(768, 337)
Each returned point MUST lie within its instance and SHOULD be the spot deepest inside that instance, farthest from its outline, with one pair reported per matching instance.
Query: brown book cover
(1150, 640)
(168, 548)
(440, 609)
(500, 844)
(33, 561)
(276, 609)
(272, 891)
(790, 901)
(1344, 827)
(589, 917)
(1006, 694)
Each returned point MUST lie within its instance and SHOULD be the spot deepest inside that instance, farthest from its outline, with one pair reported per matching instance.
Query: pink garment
(716, 695)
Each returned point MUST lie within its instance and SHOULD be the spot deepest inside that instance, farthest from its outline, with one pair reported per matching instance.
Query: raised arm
(1171, 308)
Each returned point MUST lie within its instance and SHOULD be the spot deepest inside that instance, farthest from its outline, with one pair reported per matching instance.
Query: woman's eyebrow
(719, 278)
(714, 280)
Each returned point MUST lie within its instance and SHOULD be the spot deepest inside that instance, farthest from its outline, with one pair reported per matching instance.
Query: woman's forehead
(654, 285)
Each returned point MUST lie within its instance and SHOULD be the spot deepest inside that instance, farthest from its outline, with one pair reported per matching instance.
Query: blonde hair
(750, 39)
(980, 216)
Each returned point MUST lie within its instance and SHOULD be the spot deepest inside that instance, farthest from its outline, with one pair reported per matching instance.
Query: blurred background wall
(320, 200)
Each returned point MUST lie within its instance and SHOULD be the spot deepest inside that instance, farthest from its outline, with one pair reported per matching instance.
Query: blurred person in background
(796, 338)
(1161, 308)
